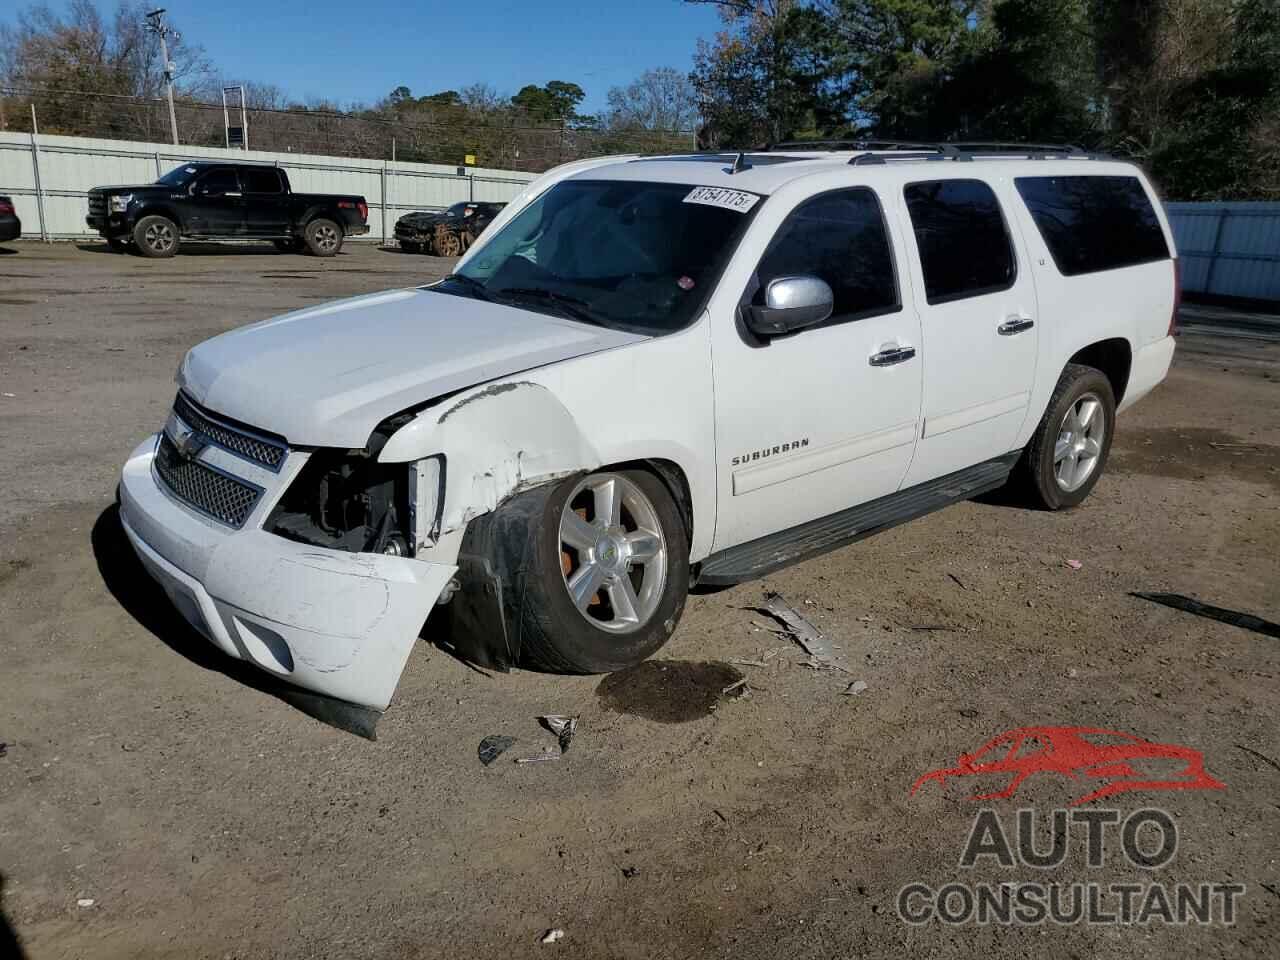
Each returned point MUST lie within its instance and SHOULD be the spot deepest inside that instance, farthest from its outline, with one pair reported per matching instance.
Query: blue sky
(361, 49)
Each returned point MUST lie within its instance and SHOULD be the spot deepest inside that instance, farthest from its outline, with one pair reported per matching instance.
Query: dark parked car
(454, 237)
(10, 225)
(417, 232)
(210, 200)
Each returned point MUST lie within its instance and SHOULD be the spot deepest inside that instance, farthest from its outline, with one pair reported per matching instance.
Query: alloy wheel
(613, 553)
(1079, 445)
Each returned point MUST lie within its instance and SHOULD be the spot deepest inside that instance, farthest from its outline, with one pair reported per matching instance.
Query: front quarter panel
(650, 400)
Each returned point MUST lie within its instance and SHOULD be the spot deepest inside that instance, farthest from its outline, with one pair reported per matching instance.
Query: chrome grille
(212, 492)
(261, 449)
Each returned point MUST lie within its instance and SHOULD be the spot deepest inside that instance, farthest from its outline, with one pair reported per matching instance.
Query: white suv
(651, 372)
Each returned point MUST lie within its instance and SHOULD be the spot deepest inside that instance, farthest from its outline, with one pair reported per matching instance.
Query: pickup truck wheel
(156, 236)
(1069, 449)
(323, 237)
(609, 574)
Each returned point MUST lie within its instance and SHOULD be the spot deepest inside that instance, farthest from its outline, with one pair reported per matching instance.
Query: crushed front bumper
(340, 624)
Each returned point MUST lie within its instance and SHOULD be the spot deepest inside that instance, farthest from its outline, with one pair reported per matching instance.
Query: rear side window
(964, 245)
(840, 237)
(260, 179)
(219, 181)
(1094, 223)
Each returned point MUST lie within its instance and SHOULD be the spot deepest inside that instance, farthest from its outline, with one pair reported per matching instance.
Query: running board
(757, 558)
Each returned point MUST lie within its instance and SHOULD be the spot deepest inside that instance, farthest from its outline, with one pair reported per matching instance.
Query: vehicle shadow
(143, 599)
(7, 251)
(10, 945)
(397, 251)
(251, 249)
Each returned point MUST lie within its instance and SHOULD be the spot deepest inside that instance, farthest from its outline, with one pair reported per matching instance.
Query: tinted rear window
(1094, 223)
(260, 179)
(960, 232)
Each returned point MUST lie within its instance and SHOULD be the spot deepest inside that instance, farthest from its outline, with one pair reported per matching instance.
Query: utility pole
(156, 24)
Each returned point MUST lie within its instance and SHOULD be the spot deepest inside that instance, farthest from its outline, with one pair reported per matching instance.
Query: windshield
(179, 176)
(631, 256)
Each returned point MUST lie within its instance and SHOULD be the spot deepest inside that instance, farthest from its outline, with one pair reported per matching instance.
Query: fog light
(395, 546)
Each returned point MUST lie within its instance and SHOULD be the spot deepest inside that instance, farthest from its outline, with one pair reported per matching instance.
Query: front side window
(179, 176)
(628, 255)
(260, 180)
(217, 182)
(1094, 223)
(965, 250)
(839, 237)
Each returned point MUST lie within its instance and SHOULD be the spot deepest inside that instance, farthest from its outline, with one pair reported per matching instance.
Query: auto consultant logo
(1144, 840)
(1078, 753)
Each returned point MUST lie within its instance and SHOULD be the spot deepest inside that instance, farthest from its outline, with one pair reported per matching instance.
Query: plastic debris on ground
(855, 688)
(563, 727)
(810, 638)
(1074, 564)
(492, 747)
(551, 936)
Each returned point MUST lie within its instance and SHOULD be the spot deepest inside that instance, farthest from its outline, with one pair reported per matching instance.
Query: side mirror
(790, 304)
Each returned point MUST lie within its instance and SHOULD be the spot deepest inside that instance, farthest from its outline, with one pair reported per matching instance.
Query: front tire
(323, 237)
(1069, 450)
(609, 574)
(156, 237)
(448, 244)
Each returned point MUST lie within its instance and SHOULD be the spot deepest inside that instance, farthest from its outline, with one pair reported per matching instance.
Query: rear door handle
(1014, 325)
(887, 358)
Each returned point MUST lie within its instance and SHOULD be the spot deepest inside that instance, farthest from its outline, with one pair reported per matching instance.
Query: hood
(422, 217)
(326, 376)
(131, 187)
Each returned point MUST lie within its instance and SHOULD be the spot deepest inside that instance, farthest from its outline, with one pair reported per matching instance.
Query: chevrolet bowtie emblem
(186, 441)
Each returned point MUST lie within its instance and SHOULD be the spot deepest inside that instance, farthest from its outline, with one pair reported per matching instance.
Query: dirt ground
(203, 816)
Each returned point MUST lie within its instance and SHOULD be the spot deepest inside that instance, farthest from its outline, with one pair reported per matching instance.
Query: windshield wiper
(574, 307)
(478, 289)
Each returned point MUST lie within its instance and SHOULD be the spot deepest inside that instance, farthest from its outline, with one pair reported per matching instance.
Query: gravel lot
(203, 816)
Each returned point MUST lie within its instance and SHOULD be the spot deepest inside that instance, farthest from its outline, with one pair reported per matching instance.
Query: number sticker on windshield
(738, 200)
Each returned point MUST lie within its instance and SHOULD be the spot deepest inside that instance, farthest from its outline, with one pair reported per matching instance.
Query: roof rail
(854, 144)
(968, 150)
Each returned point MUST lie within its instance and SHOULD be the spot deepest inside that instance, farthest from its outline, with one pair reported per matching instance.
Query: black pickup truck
(214, 200)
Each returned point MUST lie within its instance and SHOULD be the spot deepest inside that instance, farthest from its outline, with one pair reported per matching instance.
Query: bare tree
(661, 99)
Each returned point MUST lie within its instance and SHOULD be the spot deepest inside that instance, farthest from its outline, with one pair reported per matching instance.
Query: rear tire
(641, 559)
(156, 237)
(1068, 452)
(323, 237)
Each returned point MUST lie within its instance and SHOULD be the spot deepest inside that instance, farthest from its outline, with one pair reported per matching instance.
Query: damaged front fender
(503, 445)
(496, 441)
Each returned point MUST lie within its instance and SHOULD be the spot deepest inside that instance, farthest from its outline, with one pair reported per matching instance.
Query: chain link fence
(499, 137)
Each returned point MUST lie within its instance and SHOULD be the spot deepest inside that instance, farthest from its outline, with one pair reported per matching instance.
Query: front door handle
(887, 358)
(1015, 324)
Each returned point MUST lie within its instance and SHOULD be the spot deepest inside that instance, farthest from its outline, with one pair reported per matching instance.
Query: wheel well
(677, 484)
(159, 212)
(1113, 357)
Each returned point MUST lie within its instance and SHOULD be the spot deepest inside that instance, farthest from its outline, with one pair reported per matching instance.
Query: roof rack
(967, 150)
(850, 144)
